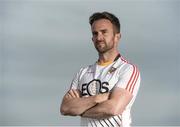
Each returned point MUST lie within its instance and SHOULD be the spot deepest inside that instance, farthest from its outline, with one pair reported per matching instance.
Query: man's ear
(118, 36)
(92, 39)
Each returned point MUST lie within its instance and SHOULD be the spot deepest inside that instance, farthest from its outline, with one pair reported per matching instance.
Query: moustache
(100, 41)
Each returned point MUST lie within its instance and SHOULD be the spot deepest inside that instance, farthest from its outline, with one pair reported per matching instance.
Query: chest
(97, 81)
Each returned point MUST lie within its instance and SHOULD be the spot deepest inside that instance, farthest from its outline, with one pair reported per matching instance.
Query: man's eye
(94, 33)
(104, 32)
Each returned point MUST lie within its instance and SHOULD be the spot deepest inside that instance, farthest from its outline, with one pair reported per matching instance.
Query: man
(103, 93)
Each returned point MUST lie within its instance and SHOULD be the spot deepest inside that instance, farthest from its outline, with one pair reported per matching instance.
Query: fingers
(68, 96)
(74, 93)
(77, 93)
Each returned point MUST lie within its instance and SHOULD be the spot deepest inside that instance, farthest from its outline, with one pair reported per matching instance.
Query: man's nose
(99, 37)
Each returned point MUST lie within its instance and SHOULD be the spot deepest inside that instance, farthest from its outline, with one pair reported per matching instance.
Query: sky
(44, 43)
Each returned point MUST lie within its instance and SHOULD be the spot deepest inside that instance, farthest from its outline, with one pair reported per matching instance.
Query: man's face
(103, 36)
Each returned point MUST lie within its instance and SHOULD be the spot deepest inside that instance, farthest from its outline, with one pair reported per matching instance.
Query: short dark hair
(106, 15)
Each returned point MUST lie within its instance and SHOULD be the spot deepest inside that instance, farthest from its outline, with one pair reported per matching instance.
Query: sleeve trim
(133, 79)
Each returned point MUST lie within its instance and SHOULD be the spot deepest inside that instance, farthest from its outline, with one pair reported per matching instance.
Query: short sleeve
(75, 81)
(129, 79)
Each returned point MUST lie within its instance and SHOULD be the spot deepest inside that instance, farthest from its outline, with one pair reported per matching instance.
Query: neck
(108, 56)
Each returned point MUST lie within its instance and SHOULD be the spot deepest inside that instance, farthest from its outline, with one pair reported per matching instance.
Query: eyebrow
(102, 30)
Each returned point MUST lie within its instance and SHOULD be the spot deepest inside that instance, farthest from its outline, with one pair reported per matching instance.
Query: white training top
(96, 79)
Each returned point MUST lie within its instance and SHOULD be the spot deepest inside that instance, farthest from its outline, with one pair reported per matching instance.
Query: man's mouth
(100, 43)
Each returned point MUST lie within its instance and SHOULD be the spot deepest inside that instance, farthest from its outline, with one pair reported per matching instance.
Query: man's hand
(72, 94)
(102, 97)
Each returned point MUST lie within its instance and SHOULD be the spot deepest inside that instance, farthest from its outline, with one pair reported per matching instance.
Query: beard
(103, 47)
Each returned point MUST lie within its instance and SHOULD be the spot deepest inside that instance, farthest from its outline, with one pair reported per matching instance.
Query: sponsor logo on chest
(94, 87)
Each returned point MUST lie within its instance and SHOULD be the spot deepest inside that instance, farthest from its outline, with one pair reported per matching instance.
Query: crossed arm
(98, 106)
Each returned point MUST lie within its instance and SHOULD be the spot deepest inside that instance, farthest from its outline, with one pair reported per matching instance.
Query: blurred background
(45, 42)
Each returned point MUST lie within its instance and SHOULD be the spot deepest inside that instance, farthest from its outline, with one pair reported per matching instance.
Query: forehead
(101, 24)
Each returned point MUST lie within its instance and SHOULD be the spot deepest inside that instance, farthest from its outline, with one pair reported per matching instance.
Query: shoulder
(85, 69)
(126, 66)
